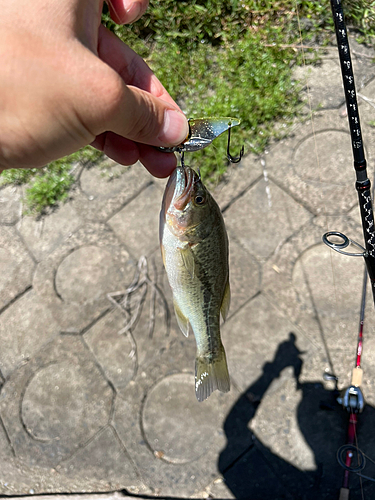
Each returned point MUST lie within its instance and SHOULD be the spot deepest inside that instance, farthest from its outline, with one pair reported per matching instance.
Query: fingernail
(134, 13)
(175, 128)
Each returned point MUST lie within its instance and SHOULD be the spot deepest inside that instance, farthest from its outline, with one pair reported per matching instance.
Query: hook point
(234, 159)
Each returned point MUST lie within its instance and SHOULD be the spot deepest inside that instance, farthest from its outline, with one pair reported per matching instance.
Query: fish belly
(197, 298)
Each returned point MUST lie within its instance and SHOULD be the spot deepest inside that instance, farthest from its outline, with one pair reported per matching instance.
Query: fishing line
(318, 163)
(349, 448)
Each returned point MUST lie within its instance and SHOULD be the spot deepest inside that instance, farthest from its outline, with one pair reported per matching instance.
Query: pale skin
(66, 81)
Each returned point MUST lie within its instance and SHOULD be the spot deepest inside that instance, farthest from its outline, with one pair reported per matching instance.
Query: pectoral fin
(162, 253)
(226, 302)
(183, 322)
(188, 259)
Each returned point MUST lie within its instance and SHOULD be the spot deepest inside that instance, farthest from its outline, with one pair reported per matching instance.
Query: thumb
(133, 103)
(142, 117)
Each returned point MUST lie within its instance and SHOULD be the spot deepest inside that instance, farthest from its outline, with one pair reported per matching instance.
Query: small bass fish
(194, 246)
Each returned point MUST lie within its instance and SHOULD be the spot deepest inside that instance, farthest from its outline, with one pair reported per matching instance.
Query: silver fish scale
(212, 276)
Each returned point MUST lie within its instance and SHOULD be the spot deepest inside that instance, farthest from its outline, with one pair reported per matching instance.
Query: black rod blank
(363, 184)
(348, 81)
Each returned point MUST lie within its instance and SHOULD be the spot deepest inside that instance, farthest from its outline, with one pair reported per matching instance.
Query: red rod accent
(350, 440)
(359, 346)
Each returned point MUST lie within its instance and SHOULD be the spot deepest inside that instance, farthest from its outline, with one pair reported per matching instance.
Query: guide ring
(341, 457)
(338, 247)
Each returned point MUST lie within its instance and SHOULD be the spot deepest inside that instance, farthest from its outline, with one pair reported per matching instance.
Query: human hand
(66, 81)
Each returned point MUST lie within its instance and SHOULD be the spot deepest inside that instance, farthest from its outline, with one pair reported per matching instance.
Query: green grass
(218, 58)
(361, 13)
(50, 185)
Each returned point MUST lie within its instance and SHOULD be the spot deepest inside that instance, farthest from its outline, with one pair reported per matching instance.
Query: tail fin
(211, 374)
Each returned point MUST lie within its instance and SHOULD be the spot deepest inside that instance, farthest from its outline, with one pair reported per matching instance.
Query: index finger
(130, 66)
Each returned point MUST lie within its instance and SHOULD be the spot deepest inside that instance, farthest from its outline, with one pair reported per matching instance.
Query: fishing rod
(336, 240)
(352, 398)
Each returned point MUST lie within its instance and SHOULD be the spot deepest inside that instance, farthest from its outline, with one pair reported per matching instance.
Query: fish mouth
(184, 184)
(179, 188)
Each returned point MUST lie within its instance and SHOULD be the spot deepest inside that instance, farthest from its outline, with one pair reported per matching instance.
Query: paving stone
(293, 435)
(165, 436)
(54, 403)
(281, 216)
(367, 365)
(363, 66)
(244, 276)
(251, 477)
(323, 79)
(16, 266)
(369, 91)
(277, 280)
(156, 444)
(115, 352)
(5, 447)
(248, 347)
(104, 457)
(105, 188)
(46, 234)
(336, 153)
(237, 180)
(217, 489)
(93, 263)
(321, 291)
(137, 224)
(316, 167)
(320, 429)
(367, 116)
(10, 205)
(330, 282)
(150, 308)
(74, 280)
(113, 495)
(25, 327)
(17, 478)
(276, 425)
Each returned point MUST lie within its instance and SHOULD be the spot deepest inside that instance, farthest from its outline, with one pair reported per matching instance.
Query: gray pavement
(92, 404)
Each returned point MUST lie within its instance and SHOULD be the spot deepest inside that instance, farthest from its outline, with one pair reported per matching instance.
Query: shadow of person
(252, 471)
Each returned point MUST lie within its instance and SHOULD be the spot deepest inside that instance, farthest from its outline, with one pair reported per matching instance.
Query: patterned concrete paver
(26, 325)
(74, 279)
(135, 224)
(10, 205)
(105, 190)
(279, 213)
(45, 235)
(97, 381)
(16, 266)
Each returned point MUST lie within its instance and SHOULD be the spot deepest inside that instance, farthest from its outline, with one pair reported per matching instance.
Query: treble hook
(234, 159)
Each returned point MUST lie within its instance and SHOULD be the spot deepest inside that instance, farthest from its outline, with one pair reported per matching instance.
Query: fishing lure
(202, 131)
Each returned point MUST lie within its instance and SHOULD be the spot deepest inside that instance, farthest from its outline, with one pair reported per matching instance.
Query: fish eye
(199, 200)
